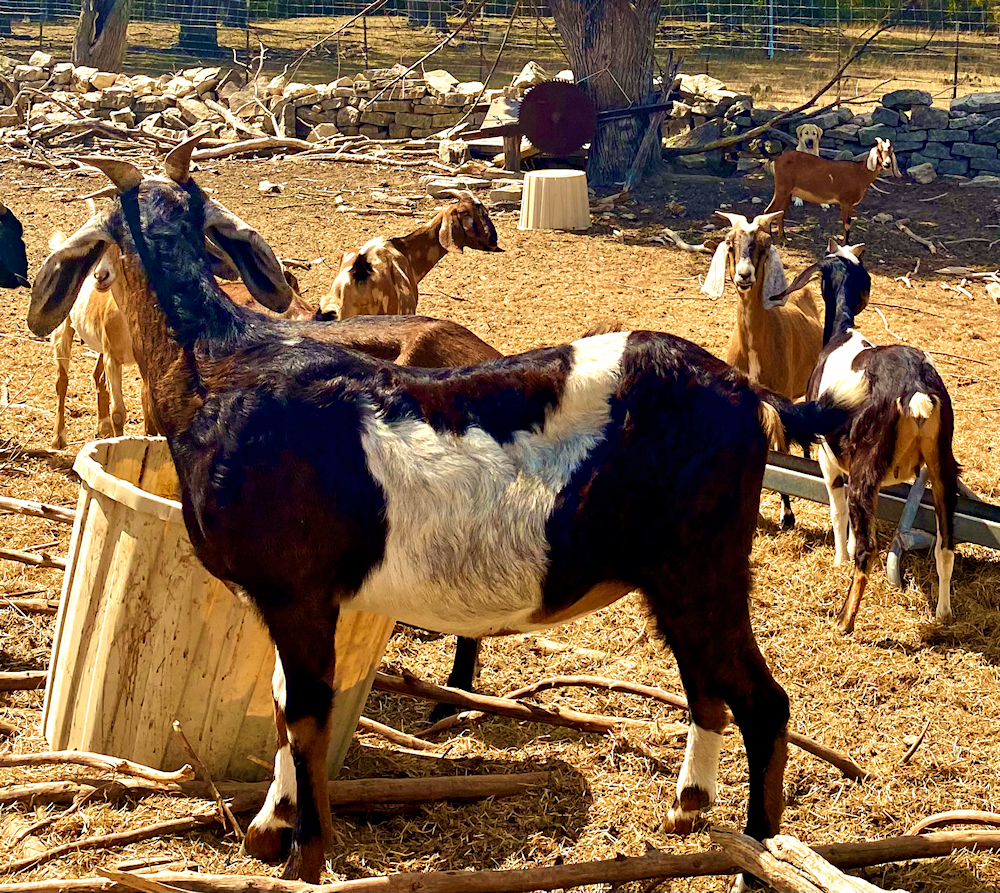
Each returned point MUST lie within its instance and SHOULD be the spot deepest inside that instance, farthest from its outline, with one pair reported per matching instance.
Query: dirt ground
(863, 695)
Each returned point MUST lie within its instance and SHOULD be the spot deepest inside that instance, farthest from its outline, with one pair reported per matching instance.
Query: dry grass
(863, 694)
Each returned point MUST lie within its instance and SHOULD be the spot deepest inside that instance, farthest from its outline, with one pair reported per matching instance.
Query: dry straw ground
(863, 694)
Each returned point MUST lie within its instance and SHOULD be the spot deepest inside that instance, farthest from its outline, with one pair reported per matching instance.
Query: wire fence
(778, 50)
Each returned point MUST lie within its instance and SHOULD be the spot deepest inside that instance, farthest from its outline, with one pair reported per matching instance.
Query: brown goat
(381, 277)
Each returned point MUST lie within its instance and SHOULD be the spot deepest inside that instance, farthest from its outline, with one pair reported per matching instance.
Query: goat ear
(775, 283)
(452, 235)
(715, 279)
(857, 250)
(873, 159)
(250, 254)
(832, 246)
(62, 273)
(221, 263)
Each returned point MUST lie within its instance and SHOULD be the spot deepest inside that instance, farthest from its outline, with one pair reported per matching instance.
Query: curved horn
(766, 220)
(732, 218)
(123, 174)
(177, 164)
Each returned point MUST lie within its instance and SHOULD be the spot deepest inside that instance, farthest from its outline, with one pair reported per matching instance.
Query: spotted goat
(383, 275)
(900, 418)
(499, 498)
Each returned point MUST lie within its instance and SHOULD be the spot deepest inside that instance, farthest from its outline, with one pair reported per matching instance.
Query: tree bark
(101, 38)
(610, 46)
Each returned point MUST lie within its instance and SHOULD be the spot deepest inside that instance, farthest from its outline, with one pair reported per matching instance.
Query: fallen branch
(37, 509)
(933, 198)
(104, 841)
(930, 246)
(225, 813)
(371, 793)
(30, 605)
(394, 735)
(913, 747)
(814, 867)
(584, 722)
(30, 680)
(614, 872)
(752, 856)
(885, 322)
(96, 761)
(248, 147)
(35, 559)
(956, 817)
(42, 792)
(923, 310)
(844, 764)
(134, 881)
(684, 246)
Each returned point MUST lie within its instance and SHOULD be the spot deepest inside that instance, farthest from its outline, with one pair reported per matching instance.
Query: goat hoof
(845, 626)
(300, 867)
(787, 521)
(443, 711)
(679, 821)
(945, 616)
(59, 443)
(268, 844)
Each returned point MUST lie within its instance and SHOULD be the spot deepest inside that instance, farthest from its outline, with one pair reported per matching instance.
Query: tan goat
(821, 181)
(381, 277)
(778, 336)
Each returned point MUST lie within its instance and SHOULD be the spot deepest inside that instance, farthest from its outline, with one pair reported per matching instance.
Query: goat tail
(920, 406)
(784, 422)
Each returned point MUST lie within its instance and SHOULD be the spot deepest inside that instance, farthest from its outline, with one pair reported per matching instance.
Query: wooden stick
(29, 680)
(684, 246)
(245, 147)
(38, 509)
(225, 813)
(904, 307)
(930, 246)
(137, 881)
(394, 735)
(843, 763)
(122, 838)
(371, 793)
(30, 605)
(612, 872)
(913, 747)
(753, 857)
(96, 761)
(42, 792)
(585, 722)
(956, 817)
(35, 559)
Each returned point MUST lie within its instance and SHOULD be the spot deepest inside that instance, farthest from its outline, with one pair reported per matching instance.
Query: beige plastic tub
(145, 635)
(555, 200)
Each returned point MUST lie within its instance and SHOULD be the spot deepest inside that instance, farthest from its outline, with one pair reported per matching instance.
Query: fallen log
(560, 716)
(38, 509)
(753, 858)
(612, 872)
(844, 764)
(815, 868)
(95, 761)
(35, 559)
(28, 680)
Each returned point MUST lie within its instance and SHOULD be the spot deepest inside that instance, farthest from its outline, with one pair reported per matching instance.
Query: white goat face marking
(846, 386)
(466, 551)
(744, 273)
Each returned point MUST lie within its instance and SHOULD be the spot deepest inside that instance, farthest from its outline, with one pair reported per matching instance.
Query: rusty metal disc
(557, 117)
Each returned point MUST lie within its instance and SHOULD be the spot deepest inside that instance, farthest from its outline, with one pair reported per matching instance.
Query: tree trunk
(101, 38)
(199, 40)
(610, 46)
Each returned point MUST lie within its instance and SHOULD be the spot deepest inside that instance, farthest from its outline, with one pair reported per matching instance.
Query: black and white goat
(900, 418)
(498, 498)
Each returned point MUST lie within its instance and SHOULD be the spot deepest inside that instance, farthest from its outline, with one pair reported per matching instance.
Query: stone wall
(368, 103)
(962, 140)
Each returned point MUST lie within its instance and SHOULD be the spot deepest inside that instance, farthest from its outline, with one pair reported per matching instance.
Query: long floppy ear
(872, 162)
(715, 279)
(775, 283)
(221, 263)
(893, 165)
(62, 273)
(803, 278)
(453, 223)
(250, 254)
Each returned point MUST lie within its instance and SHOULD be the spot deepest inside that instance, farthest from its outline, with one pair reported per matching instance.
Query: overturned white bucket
(555, 200)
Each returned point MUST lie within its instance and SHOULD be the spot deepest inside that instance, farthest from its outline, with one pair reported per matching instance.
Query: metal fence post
(770, 29)
(954, 89)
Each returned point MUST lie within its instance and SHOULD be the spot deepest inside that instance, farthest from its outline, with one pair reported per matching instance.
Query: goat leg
(463, 675)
